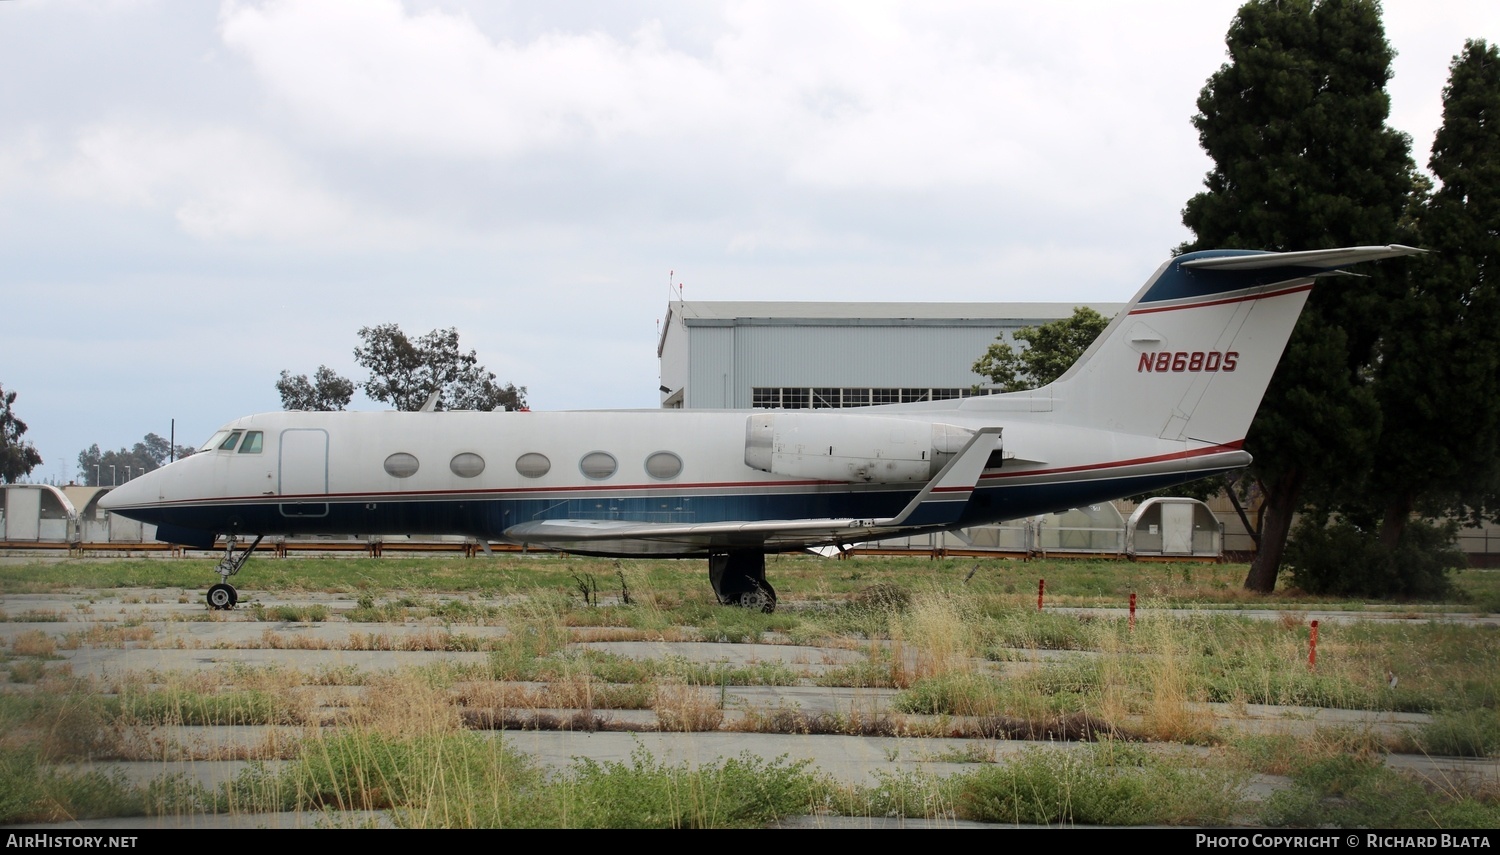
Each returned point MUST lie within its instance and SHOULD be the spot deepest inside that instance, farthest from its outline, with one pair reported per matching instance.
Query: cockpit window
(251, 445)
(213, 441)
(228, 444)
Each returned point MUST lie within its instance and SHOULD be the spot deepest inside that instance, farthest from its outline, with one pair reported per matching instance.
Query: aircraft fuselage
(479, 475)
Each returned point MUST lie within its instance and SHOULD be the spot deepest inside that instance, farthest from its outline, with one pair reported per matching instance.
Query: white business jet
(1164, 396)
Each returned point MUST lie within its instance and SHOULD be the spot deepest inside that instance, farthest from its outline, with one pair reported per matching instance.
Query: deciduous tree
(104, 468)
(1051, 349)
(327, 390)
(405, 372)
(17, 456)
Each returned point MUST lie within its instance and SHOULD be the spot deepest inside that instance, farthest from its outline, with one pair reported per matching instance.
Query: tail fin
(1193, 353)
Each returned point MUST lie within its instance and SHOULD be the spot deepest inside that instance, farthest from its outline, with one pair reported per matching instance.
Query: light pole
(96, 476)
(112, 481)
(127, 473)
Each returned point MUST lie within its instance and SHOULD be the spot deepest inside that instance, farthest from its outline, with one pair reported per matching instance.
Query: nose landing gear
(223, 596)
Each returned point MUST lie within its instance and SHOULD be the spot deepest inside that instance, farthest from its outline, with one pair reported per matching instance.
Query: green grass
(1105, 785)
(464, 780)
(32, 791)
(1462, 733)
(1357, 791)
(290, 614)
(189, 707)
(952, 643)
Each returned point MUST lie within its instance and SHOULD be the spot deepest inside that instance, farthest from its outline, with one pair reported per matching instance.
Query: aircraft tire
(222, 597)
(761, 598)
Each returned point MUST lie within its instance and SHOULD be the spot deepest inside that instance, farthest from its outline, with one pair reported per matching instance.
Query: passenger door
(303, 471)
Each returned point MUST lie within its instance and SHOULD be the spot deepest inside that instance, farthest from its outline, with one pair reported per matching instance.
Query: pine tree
(1296, 125)
(1439, 378)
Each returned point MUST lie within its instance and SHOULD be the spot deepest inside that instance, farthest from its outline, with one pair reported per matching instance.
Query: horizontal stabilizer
(1319, 259)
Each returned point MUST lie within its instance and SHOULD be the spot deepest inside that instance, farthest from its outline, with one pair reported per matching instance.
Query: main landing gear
(223, 596)
(739, 579)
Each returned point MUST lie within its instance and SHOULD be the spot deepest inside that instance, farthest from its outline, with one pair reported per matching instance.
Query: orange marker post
(1312, 649)
(1041, 587)
(1132, 611)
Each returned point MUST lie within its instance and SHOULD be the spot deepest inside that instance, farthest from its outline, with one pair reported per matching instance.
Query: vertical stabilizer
(1193, 353)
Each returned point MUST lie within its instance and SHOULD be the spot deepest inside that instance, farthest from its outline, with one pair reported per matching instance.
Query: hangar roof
(781, 310)
(757, 313)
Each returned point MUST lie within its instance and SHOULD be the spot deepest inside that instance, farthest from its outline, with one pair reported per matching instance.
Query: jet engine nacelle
(852, 448)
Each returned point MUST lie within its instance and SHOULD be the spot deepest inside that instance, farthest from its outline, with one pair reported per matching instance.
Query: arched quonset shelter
(1013, 536)
(1091, 529)
(32, 513)
(93, 523)
(1174, 527)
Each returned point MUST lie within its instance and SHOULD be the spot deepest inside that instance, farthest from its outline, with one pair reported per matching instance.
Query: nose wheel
(223, 596)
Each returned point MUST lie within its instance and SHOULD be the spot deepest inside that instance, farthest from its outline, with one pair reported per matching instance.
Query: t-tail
(1191, 356)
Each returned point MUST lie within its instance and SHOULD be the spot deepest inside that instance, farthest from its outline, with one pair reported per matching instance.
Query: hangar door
(1176, 528)
(23, 514)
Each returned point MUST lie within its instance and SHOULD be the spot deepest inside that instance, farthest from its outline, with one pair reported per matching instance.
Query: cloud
(433, 83)
(829, 95)
(217, 183)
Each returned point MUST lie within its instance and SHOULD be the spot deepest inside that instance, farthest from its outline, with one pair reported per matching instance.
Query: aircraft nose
(133, 493)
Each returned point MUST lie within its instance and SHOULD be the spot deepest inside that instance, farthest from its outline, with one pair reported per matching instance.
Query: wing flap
(619, 537)
(550, 531)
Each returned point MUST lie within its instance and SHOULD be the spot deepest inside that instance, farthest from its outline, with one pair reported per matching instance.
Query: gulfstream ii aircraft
(1165, 395)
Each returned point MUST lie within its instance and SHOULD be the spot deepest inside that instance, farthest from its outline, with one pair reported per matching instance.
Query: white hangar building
(737, 355)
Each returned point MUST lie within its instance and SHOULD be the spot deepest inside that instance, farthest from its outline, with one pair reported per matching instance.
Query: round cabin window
(663, 466)
(533, 465)
(597, 465)
(401, 465)
(466, 465)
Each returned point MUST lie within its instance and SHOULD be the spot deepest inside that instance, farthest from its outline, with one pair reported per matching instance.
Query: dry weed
(503, 696)
(901, 675)
(686, 709)
(1170, 714)
(1292, 620)
(34, 642)
(100, 635)
(795, 721)
(405, 704)
(1115, 689)
(140, 743)
(586, 634)
(942, 628)
(272, 640)
(70, 721)
(1072, 727)
(485, 719)
(36, 616)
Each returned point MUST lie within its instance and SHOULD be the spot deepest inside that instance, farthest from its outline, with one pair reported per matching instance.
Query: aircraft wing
(623, 537)
(939, 503)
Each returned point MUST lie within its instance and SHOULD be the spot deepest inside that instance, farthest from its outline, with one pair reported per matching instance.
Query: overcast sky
(196, 196)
